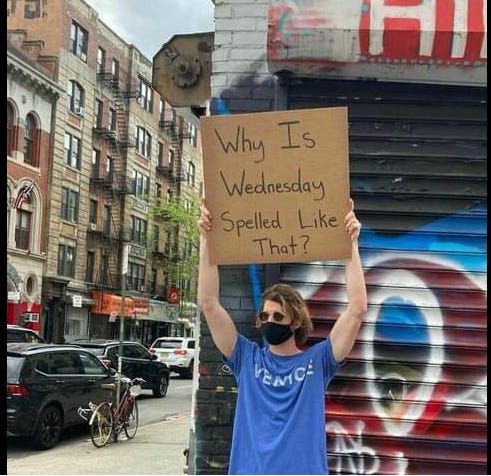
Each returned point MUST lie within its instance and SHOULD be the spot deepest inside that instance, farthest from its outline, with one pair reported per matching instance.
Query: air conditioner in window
(31, 317)
(79, 110)
(92, 226)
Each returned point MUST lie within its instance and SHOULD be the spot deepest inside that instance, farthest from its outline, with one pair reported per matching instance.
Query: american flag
(23, 195)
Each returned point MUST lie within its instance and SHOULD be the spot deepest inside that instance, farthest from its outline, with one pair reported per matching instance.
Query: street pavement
(156, 449)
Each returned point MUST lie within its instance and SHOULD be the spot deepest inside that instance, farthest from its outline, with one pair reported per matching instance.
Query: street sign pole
(124, 272)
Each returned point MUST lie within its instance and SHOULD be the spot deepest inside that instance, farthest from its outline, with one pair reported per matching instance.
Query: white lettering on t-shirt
(296, 375)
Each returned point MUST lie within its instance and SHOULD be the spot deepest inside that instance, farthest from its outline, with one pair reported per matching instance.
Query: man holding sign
(279, 425)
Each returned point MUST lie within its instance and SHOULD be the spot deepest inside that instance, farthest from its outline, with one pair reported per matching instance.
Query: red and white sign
(405, 33)
(174, 296)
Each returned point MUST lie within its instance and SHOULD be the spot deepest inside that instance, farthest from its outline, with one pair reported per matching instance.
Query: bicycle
(107, 420)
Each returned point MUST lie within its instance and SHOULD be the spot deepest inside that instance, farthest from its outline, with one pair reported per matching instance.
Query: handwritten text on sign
(277, 185)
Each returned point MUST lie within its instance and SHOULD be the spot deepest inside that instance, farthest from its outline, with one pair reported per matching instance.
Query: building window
(10, 129)
(168, 242)
(109, 170)
(76, 98)
(66, 260)
(79, 41)
(153, 281)
(155, 238)
(90, 267)
(99, 110)
(93, 211)
(69, 205)
(193, 135)
(106, 223)
(161, 109)
(29, 140)
(111, 120)
(140, 185)
(136, 276)
(160, 151)
(23, 229)
(72, 151)
(105, 277)
(145, 95)
(115, 70)
(191, 174)
(143, 141)
(138, 231)
(101, 60)
(96, 160)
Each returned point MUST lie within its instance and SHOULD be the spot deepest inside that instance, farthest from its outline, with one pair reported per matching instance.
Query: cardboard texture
(277, 185)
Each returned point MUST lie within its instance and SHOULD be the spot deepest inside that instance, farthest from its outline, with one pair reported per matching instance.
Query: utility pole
(124, 273)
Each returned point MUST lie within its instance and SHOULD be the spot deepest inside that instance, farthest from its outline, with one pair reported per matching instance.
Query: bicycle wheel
(101, 424)
(131, 423)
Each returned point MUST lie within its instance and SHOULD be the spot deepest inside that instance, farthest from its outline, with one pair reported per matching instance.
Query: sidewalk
(156, 449)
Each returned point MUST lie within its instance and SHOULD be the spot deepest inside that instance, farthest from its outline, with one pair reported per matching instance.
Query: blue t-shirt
(279, 425)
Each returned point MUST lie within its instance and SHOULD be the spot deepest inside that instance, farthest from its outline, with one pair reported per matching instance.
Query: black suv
(46, 383)
(137, 362)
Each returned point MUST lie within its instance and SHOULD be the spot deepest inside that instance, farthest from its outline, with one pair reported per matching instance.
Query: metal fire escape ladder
(115, 183)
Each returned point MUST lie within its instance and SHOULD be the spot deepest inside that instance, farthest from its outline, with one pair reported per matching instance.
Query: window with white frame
(140, 184)
(136, 276)
(98, 111)
(66, 260)
(138, 230)
(76, 97)
(145, 94)
(30, 134)
(23, 228)
(101, 60)
(191, 174)
(79, 40)
(73, 152)
(69, 205)
(143, 141)
(193, 135)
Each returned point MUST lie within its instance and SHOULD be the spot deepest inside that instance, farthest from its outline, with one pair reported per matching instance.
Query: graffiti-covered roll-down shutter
(411, 397)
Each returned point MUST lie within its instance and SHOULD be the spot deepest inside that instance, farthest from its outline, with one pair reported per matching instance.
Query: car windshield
(167, 344)
(20, 335)
(14, 364)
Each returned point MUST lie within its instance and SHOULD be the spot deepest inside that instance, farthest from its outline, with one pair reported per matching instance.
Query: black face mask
(275, 333)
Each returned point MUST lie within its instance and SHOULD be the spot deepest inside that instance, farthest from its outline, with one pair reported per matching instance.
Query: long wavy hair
(293, 304)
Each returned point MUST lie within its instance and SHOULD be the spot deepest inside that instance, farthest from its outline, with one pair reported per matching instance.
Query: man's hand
(204, 220)
(353, 226)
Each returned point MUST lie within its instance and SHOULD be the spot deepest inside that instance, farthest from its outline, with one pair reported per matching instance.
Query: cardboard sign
(277, 185)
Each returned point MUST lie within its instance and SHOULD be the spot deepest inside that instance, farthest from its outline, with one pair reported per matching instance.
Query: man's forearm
(355, 283)
(208, 282)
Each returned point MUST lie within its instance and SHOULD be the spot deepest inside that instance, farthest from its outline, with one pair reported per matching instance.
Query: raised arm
(222, 327)
(347, 326)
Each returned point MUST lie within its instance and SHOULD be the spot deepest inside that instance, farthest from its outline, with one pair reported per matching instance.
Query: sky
(148, 24)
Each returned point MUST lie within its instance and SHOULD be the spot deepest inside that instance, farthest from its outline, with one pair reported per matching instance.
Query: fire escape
(110, 179)
(175, 173)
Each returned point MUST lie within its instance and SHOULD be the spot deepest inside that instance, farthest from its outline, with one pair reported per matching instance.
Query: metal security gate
(411, 399)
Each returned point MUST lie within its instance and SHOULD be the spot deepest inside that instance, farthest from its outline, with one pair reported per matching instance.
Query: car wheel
(161, 389)
(48, 429)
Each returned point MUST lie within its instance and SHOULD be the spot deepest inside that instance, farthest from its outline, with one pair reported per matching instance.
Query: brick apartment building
(116, 151)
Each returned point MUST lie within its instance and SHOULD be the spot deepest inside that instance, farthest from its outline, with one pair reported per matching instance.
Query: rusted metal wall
(411, 399)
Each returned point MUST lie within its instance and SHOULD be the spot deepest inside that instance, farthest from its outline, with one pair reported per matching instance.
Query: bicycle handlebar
(112, 386)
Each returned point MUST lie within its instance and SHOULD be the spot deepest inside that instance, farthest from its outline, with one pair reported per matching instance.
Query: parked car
(137, 362)
(22, 334)
(176, 352)
(46, 383)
